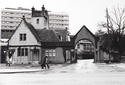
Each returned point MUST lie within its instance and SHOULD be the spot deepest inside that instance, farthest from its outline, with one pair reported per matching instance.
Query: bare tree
(115, 25)
(115, 21)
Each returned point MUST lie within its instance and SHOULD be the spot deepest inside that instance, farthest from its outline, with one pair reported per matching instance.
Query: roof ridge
(84, 27)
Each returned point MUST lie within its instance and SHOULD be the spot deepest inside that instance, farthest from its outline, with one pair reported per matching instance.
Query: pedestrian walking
(47, 62)
(7, 59)
(43, 63)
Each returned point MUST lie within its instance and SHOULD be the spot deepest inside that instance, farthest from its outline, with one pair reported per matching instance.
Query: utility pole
(107, 18)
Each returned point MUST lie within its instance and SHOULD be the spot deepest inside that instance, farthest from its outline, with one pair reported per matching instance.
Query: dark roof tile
(47, 35)
(62, 33)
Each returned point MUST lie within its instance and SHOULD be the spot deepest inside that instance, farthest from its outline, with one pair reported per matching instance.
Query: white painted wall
(19, 60)
(42, 23)
(30, 38)
(15, 41)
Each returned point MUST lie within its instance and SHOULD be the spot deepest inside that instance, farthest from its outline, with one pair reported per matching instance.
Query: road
(85, 72)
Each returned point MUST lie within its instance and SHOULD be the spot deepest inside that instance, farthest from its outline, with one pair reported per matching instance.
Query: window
(37, 21)
(11, 22)
(11, 26)
(11, 17)
(60, 37)
(26, 51)
(54, 53)
(50, 52)
(3, 22)
(22, 51)
(11, 13)
(19, 52)
(23, 37)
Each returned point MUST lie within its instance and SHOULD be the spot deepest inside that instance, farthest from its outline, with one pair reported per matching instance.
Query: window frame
(22, 36)
(37, 21)
(22, 52)
(50, 52)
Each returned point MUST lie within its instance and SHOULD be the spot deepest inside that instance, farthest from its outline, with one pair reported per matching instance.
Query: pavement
(26, 68)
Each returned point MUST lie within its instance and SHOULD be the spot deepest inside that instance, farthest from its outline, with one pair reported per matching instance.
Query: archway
(84, 49)
(85, 39)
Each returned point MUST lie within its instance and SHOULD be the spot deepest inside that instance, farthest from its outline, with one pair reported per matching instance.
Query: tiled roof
(47, 35)
(62, 33)
(84, 27)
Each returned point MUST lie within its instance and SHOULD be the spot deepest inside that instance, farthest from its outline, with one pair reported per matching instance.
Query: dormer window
(23, 37)
(37, 21)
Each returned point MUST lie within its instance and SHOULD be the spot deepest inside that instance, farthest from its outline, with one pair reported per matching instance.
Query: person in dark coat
(47, 62)
(7, 59)
(43, 63)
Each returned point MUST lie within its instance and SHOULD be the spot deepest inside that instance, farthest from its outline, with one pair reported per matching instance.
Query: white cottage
(24, 40)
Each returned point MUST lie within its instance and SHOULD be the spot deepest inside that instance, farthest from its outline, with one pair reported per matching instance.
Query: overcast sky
(81, 12)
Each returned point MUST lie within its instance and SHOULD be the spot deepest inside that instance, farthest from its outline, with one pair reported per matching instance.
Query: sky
(81, 12)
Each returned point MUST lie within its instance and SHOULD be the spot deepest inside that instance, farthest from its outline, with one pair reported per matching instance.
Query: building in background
(58, 20)
(11, 17)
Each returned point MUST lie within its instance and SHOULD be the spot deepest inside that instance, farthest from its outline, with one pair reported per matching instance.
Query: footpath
(25, 68)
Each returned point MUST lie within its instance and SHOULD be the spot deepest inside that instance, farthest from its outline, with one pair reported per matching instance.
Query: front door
(35, 55)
